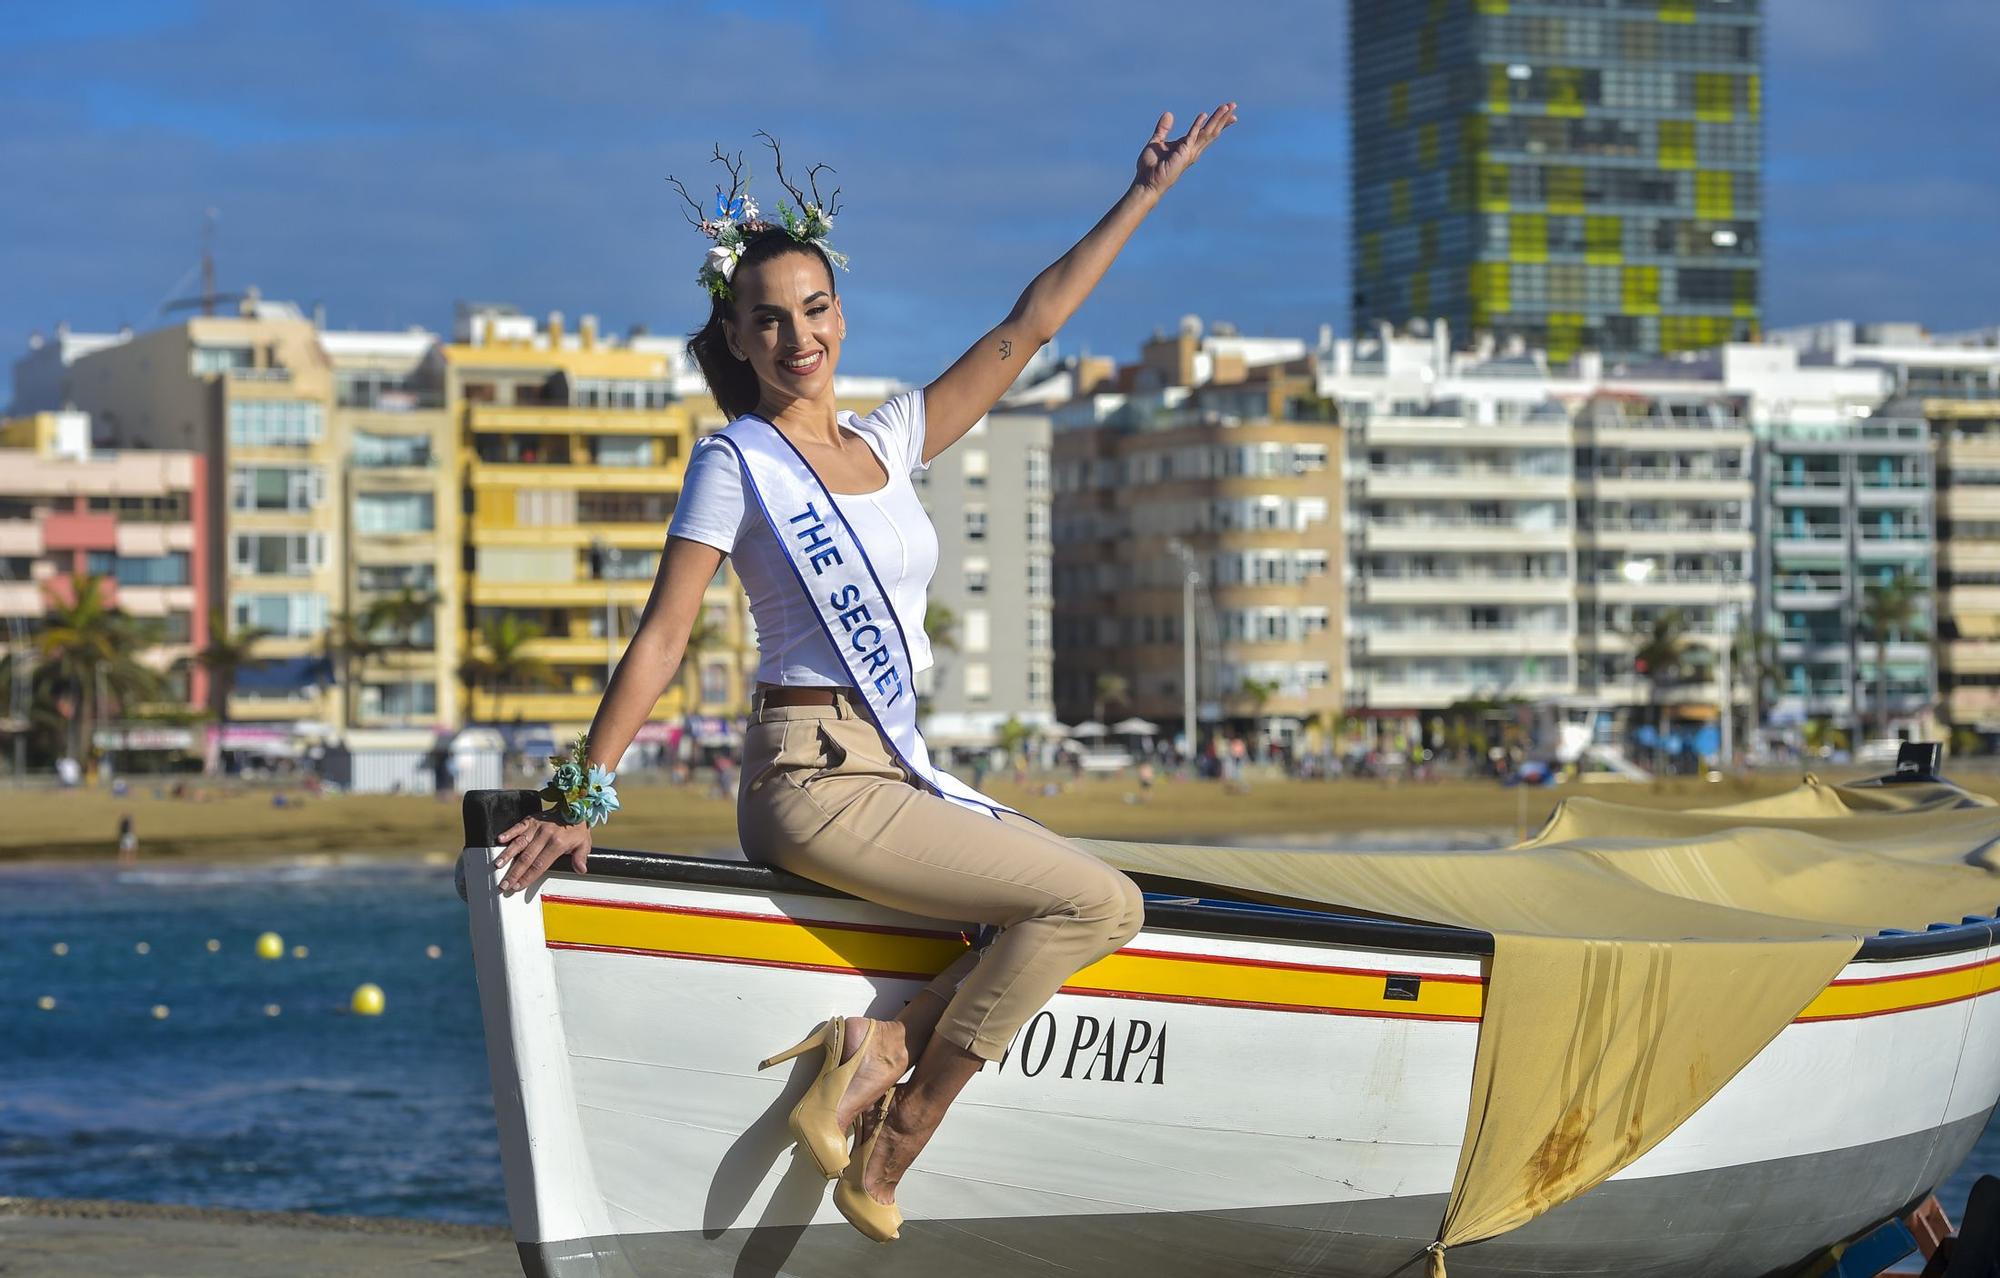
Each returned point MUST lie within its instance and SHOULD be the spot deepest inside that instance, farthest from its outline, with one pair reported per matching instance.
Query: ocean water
(220, 1104)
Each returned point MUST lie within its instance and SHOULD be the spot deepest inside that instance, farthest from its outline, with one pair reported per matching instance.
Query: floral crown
(735, 219)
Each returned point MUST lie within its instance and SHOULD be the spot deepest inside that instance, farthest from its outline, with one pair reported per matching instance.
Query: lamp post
(1190, 578)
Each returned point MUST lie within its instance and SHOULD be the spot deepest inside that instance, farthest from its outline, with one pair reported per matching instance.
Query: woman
(836, 785)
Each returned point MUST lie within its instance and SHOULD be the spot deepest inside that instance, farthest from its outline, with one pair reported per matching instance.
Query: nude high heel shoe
(812, 1122)
(882, 1222)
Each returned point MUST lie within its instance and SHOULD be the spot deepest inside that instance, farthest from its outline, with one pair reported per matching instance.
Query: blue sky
(387, 158)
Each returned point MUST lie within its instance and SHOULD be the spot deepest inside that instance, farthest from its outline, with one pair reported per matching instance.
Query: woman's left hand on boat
(1162, 162)
(531, 846)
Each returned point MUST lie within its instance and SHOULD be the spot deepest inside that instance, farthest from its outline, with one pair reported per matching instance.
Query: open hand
(533, 845)
(1162, 162)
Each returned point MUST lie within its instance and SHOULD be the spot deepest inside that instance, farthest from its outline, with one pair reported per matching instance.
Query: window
(624, 508)
(1038, 682)
(377, 513)
(975, 468)
(1038, 471)
(372, 449)
(1038, 521)
(978, 681)
(170, 569)
(291, 488)
(1038, 629)
(388, 578)
(714, 682)
(291, 615)
(978, 633)
(975, 523)
(221, 359)
(621, 450)
(277, 554)
(976, 573)
(627, 565)
(275, 423)
(1038, 577)
(399, 700)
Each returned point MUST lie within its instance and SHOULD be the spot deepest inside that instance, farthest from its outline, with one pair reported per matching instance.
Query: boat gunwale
(1198, 907)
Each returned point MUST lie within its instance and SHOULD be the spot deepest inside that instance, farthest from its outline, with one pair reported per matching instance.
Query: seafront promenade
(69, 1238)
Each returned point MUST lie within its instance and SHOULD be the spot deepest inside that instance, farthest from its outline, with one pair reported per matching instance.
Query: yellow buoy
(46, 1002)
(213, 945)
(142, 948)
(271, 1009)
(159, 1011)
(367, 1000)
(270, 946)
(433, 951)
(60, 948)
(300, 951)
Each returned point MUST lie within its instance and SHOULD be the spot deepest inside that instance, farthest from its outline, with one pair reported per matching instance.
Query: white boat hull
(1200, 1104)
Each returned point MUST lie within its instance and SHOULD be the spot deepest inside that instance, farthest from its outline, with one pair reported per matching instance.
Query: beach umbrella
(1135, 727)
(1088, 728)
(1057, 730)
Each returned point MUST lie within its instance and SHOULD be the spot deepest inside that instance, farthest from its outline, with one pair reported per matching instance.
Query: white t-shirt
(891, 524)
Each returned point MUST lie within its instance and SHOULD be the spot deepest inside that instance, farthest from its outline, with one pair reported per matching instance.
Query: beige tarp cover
(1641, 957)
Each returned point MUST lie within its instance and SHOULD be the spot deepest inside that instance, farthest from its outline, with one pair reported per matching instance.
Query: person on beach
(836, 784)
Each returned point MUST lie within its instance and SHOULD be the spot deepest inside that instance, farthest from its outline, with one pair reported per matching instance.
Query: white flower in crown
(721, 261)
(749, 213)
(817, 225)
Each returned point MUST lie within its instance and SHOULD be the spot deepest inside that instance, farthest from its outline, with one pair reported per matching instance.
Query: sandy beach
(239, 823)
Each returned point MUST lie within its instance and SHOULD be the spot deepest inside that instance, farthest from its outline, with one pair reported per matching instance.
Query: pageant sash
(847, 596)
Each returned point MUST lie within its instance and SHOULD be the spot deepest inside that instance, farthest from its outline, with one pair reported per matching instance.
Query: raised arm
(964, 393)
(648, 667)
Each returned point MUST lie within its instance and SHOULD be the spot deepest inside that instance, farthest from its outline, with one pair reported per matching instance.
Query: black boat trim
(1189, 906)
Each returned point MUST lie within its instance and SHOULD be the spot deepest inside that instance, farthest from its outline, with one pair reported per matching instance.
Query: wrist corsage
(581, 790)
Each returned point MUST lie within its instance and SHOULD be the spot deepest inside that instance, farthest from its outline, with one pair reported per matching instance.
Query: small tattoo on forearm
(1006, 348)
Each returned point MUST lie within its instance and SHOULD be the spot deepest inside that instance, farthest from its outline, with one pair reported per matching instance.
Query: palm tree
(1014, 735)
(89, 651)
(347, 642)
(706, 634)
(1112, 690)
(1755, 665)
(503, 662)
(399, 617)
(1889, 610)
(1660, 653)
(227, 655)
(941, 624)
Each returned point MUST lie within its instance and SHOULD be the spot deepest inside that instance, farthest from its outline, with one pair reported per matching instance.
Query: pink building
(136, 519)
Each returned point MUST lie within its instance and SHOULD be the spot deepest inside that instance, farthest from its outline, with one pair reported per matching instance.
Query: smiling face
(786, 324)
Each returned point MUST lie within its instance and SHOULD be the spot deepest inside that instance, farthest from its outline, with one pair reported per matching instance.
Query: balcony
(1464, 482)
(545, 594)
(1679, 588)
(20, 538)
(1668, 534)
(1666, 481)
(72, 530)
(1459, 534)
(1468, 588)
(561, 419)
(1973, 656)
(1899, 543)
(1667, 432)
(1809, 489)
(664, 478)
(534, 706)
(1464, 642)
(1971, 599)
(1464, 432)
(1798, 542)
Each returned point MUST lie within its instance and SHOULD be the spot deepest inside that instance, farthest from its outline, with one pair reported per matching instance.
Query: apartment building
(252, 394)
(1665, 519)
(1577, 175)
(131, 519)
(1460, 492)
(574, 449)
(1213, 455)
(398, 490)
(1952, 381)
(988, 496)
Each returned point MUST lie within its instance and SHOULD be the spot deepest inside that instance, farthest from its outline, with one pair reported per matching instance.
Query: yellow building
(572, 449)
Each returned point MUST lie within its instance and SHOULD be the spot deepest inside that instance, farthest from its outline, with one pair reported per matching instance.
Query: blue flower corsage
(581, 790)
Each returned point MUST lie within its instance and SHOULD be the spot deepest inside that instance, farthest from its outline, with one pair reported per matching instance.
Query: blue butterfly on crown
(735, 217)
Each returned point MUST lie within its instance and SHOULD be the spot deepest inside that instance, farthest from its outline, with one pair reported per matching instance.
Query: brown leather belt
(767, 695)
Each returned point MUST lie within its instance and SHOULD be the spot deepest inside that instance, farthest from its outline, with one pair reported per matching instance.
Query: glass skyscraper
(1580, 173)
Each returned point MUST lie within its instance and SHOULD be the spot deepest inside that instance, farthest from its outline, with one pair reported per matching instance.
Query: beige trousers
(823, 796)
